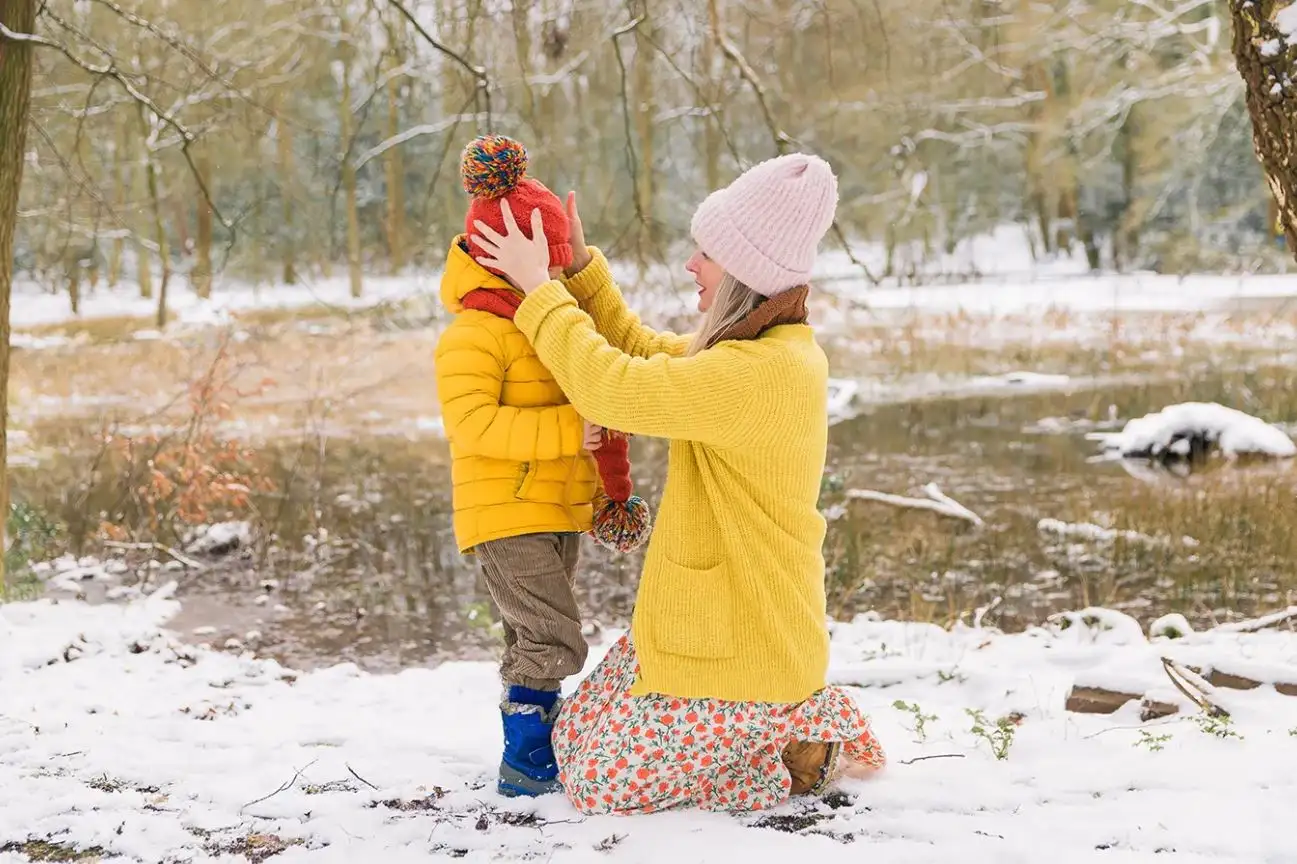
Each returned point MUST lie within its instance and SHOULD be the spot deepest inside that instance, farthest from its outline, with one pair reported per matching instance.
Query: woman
(717, 698)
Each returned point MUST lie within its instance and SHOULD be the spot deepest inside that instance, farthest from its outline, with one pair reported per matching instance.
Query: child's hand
(525, 262)
(593, 436)
(580, 254)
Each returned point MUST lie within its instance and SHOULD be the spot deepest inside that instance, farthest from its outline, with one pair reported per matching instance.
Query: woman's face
(707, 276)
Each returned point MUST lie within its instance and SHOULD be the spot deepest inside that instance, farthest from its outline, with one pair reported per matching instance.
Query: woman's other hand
(580, 254)
(525, 262)
(593, 436)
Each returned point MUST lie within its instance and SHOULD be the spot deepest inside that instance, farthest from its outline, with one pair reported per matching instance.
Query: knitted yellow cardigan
(731, 601)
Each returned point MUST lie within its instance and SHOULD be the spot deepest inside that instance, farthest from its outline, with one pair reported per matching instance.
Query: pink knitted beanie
(765, 227)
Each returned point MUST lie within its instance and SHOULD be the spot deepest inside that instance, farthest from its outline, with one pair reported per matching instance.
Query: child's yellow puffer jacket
(517, 463)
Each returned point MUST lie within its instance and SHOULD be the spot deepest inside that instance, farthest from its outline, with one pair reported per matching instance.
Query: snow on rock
(157, 752)
(1098, 625)
(220, 538)
(1171, 431)
(1173, 626)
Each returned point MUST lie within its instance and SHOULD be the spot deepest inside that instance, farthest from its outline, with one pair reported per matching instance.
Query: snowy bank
(113, 735)
(1173, 431)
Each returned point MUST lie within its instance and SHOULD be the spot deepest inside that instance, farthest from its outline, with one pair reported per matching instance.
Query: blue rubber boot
(528, 768)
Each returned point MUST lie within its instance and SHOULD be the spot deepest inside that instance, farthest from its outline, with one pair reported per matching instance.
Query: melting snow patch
(219, 539)
(842, 398)
(1023, 380)
(1173, 431)
(1100, 534)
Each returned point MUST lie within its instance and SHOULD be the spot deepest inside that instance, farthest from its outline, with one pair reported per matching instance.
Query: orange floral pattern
(625, 754)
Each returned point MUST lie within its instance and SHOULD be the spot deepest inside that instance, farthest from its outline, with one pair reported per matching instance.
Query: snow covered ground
(115, 736)
(1006, 281)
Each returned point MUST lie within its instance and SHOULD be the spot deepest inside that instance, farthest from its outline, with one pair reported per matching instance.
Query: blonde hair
(733, 302)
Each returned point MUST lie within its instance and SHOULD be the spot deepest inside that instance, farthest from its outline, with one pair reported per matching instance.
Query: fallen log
(1217, 678)
(937, 502)
(1100, 700)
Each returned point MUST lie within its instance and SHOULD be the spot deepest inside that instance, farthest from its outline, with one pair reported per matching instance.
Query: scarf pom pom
(621, 526)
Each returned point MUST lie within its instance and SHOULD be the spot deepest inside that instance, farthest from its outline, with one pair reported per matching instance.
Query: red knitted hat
(494, 169)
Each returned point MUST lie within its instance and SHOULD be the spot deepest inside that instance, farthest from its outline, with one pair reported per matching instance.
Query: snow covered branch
(936, 502)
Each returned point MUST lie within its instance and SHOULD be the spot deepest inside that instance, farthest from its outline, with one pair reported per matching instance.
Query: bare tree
(17, 19)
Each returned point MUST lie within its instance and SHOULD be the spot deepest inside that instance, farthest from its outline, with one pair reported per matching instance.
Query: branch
(478, 73)
(781, 138)
(937, 502)
(712, 110)
(110, 70)
(632, 161)
(748, 74)
(409, 134)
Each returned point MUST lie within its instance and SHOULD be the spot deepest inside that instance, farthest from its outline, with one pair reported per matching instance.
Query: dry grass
(339, 373)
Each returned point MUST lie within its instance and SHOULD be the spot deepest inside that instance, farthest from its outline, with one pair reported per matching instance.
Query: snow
(33, 307)
(1100, 534)
(1286, 20)
(1171, 626)
(992, 274)
(1168, 431)
(1271, 48)
(225, 536)
(113, 734)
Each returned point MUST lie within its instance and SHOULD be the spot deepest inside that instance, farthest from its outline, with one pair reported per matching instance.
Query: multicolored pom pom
(492, 166)
(621, 526)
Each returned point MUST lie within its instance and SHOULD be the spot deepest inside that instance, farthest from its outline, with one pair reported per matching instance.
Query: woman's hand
(580, 254)
(525, 262)
(593, 436)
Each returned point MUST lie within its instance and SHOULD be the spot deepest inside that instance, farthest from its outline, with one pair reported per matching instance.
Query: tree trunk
(1271, 96)
(202, 274)
(287, 187)
(645, 108)
(395, 178)
(15, 98)
(349, 169)
(121, 177)
(159, 228)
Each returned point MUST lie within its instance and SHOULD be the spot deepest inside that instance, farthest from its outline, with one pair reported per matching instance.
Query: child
(522, 473)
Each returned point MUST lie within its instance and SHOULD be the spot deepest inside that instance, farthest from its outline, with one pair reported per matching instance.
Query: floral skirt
(619, 753)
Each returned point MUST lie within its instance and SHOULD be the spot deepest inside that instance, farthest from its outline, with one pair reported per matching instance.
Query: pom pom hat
(765, 227)
(494, 169)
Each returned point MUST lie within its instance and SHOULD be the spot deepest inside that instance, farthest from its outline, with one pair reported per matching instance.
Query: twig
(632, 161)
(110, 70)
(1193, 687)
(159, 547)
(413, 132)
(935, 756)
(478, 73)
(286, 785)
(937, 502)
(782, 139)
(1265, 622)
(361, 779)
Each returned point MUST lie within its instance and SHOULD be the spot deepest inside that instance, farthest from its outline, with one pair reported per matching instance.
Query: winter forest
(1060, 495)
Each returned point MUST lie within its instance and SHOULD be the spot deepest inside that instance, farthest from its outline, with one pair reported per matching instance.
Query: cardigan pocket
(692, 611)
